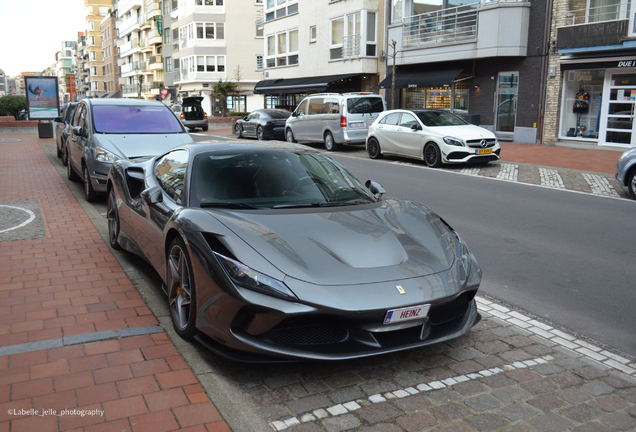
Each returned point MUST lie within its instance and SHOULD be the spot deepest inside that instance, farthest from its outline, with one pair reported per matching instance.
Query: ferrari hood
(392, 240)
(137, 145)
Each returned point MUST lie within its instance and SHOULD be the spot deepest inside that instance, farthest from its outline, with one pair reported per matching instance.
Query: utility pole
(393, 44)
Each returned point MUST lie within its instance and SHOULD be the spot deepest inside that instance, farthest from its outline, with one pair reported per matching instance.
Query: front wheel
(205, 128)
(330, 143)
(432, 155)
(238, 131)
(260, 135)
(631, 184)
(89, 192)
(59, 151)
(112, 214)
(289, 136)
(181, 294)
(373, 149)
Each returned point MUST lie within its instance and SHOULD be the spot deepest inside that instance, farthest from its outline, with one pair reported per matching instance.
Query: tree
(224, 89)
(12, 105)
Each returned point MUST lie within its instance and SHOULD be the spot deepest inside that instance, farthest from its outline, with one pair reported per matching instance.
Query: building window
(209, 2)
(259, 62)
(192, 64)
(583, 123)
(280, 8)
(168, 64)
(236, 103)
(282, 49)
(166, 35)
(312, 33)
(353, 35)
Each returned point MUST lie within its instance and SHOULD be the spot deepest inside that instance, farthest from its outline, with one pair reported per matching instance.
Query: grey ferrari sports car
(275, 252)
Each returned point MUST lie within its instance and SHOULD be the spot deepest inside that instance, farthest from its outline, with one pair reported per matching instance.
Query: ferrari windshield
(121, 119)
(272, 179)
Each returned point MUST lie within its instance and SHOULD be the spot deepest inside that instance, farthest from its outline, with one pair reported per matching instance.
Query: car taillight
(205, 114)
(343, 121)
(181, 115)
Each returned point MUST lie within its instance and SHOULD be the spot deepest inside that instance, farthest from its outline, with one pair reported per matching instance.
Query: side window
(170, 171)
(302, 108)
(76, 114)
(331, 106)
(408, 120)
(315, 105)
(254, 116)
(81, 118)
(391, 119)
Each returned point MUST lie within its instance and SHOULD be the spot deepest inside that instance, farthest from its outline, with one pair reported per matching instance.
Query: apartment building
(169, 90)
(483, 59)
(319, 46)
(93, 46)
(4, 86)
(110, 54)
(140, 28)
(216, 40)
(592, 74)
(65, 76)
(81, 67)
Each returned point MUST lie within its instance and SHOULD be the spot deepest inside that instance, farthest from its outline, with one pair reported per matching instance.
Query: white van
(334, 118)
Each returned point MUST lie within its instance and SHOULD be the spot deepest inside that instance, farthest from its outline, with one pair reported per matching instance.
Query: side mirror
(416, 127)
(376, 189)
(77, 131)
(152, 195)
(245, 118)
(58, 119)
(294, 114)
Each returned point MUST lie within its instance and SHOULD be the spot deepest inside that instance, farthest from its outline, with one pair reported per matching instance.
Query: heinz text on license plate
(406, 314)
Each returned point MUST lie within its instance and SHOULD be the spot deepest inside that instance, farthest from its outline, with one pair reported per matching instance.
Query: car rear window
(364, 105)
(117, 119)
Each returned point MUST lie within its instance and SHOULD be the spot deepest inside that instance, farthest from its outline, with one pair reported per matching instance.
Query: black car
(275, 251)
(63, 129)
(263, 124)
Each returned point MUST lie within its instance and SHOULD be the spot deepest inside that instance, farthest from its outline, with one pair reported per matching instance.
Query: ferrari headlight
(103, 155)
(453, 141)
(245, 277)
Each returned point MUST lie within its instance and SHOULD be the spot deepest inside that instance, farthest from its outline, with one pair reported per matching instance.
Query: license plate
(406, 314)
(356, 124)
(483, 151)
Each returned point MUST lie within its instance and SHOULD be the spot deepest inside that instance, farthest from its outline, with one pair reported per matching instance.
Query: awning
(299, 85)
(421, 79)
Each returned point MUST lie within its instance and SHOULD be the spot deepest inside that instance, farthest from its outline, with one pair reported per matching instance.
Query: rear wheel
(373, 149)
(64, 156)
(330, 143)
(59, 151)
(260, 134)
(205, 128)
(181, 293)
(89, 192)
(432, 155)
(631, 184)
(112, 214)
(238, 131)
(289, 136)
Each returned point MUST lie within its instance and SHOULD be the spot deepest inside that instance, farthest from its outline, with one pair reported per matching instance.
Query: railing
(458, 24)
(351, 46)
(156, 84)
(612, 12)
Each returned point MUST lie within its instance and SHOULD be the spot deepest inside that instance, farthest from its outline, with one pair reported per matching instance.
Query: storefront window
(437, 97)
(581, 108)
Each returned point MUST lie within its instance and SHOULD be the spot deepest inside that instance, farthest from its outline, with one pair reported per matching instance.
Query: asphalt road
(564, 257)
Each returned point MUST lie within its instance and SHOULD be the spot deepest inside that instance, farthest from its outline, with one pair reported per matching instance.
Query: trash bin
(45, 130)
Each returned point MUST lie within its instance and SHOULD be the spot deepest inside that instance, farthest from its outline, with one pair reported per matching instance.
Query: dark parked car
(63, 129)
(278, 252)
(626, 171)
(106, 130)
(191, 113)
(263, 124)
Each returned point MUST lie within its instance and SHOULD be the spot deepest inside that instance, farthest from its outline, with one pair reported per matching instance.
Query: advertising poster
(42, 99)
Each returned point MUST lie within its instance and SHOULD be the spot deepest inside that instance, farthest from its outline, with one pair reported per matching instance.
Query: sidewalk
(74, 332)
(75, 335)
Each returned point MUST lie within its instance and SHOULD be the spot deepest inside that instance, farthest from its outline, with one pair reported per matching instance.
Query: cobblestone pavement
(509, 373)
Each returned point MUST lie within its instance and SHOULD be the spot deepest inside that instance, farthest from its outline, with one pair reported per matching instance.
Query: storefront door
(618, 125)
(506, 106)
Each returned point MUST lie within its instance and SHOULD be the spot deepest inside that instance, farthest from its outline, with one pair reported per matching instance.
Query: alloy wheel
(113, 220)
(179, 287)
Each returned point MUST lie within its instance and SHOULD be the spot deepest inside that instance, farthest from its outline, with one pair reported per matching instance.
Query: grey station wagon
(105, 130)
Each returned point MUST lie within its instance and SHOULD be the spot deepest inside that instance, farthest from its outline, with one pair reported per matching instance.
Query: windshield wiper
(296, 205)
(230, 205)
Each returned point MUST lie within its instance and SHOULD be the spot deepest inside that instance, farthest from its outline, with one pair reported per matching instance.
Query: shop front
(598, 102)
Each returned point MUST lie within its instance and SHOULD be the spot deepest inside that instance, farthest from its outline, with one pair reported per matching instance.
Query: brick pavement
(62, 293)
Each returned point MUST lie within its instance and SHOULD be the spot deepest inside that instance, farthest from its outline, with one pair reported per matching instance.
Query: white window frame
(313, 32)
(275, 60)
(275, 9)
(363, 33)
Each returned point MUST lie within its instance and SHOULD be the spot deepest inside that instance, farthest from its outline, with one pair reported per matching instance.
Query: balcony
(155, 62)
(129, 67)
(129, 47)
(604, 26)
(144, 45)
(130, 24)
(124, 6)
(478, 30)
(351, 46)
(153, 9)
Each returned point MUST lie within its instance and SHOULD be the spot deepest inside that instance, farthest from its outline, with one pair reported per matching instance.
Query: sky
(32, 31)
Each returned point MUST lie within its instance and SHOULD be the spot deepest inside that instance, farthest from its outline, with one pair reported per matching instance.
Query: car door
(76, 142)
(408, 140)
(385, 130)
(298, 119)
(251, 123)
(152, 215)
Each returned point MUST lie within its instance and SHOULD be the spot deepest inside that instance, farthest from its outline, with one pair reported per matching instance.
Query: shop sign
(627, 63)
(412, 86)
